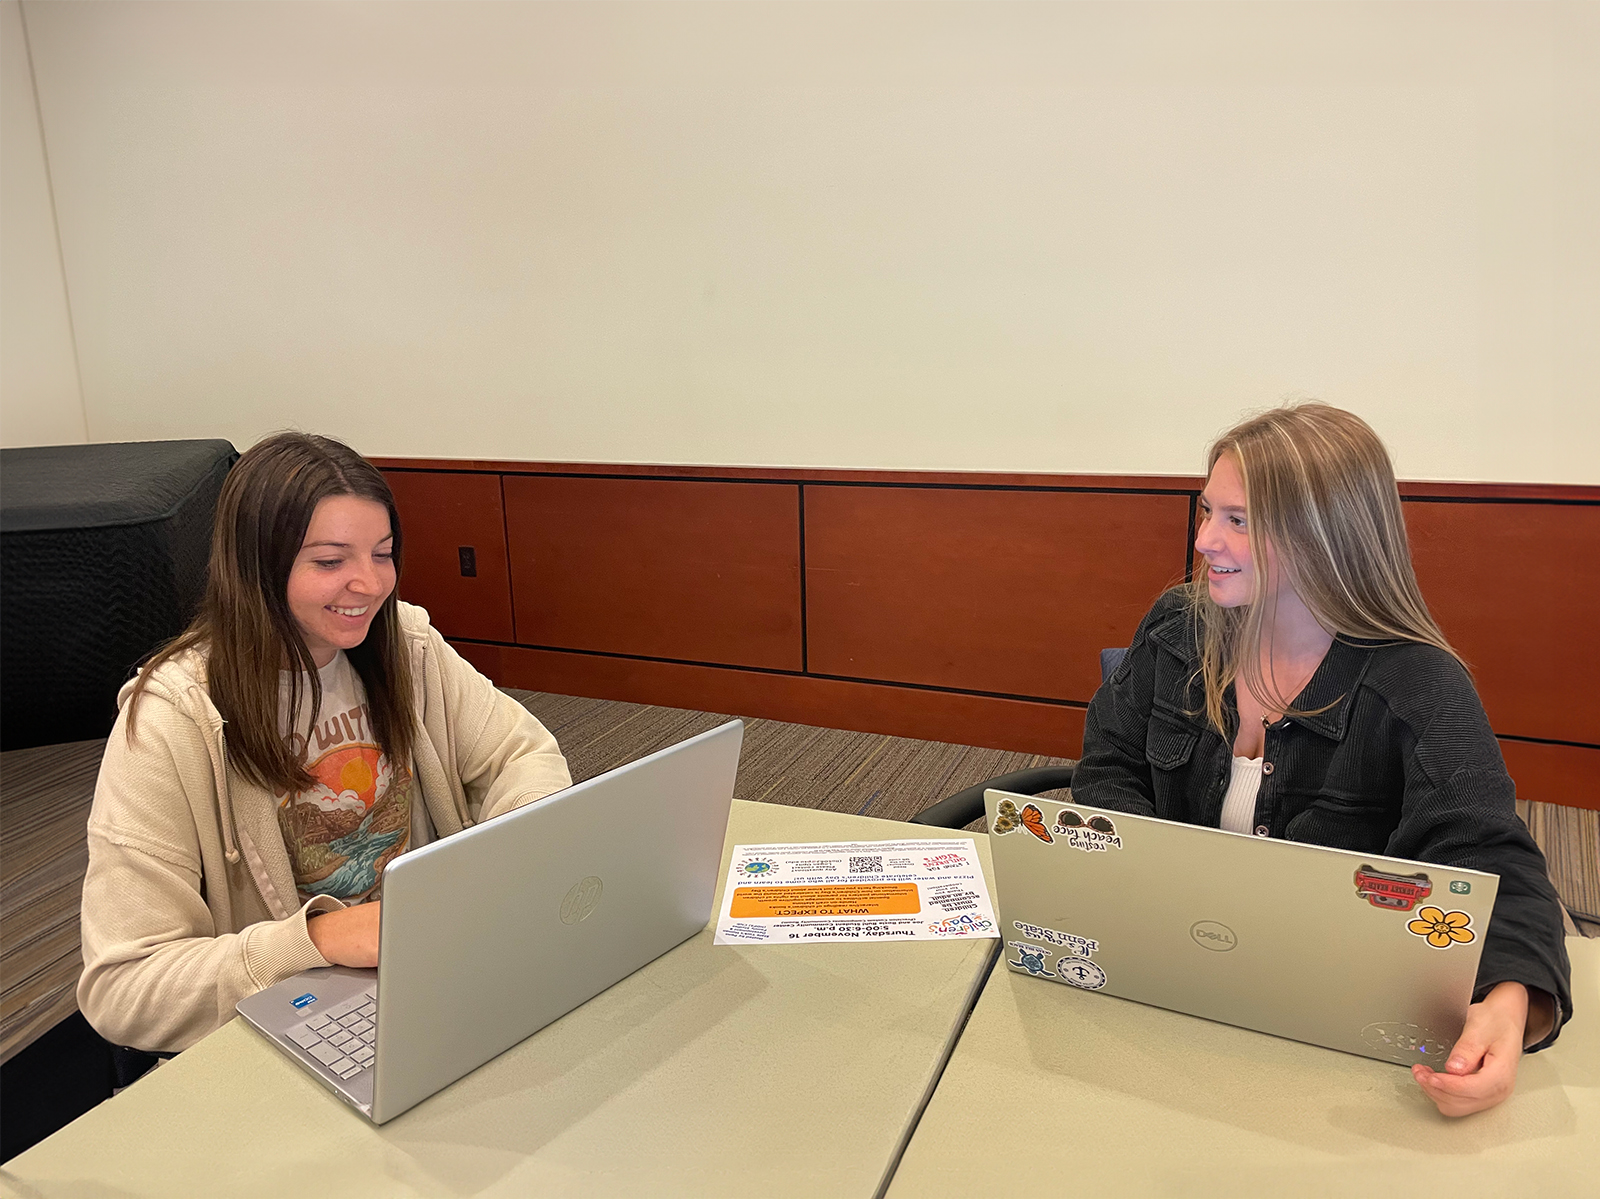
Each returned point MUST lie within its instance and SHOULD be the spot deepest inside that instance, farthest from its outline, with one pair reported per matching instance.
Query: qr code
(866, 865)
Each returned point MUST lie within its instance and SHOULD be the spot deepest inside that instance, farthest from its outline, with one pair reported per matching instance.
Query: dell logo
(1212, 935)
(581, 900)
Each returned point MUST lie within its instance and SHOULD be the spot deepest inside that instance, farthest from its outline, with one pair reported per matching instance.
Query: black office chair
(966, 806)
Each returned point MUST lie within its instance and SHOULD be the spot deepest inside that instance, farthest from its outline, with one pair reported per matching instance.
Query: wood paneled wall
(657, 568)
(954, 606)
(987, 590)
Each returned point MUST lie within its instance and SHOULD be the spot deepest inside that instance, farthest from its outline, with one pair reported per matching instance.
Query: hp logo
(581, 900)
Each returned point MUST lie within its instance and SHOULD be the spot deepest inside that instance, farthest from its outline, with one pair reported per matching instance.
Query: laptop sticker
(1461, 887)
(1033, 821)
(1032, 960)
(1403, 1042)
(1081, 946)
(1383, 889)
(1096, 833)
(1007, 818)
(1442, 929)
(1080, 973)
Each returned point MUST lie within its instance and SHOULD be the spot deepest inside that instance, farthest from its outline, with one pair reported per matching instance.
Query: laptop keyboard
(342, 1037)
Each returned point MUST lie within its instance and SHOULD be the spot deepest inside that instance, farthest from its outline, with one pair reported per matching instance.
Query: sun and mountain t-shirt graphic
(342, 831)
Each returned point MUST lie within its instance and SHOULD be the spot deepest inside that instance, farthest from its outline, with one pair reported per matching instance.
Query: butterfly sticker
(1033, 821)
(1007, 818)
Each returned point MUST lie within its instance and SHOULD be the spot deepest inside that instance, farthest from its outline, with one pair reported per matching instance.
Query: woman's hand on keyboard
(347, 937)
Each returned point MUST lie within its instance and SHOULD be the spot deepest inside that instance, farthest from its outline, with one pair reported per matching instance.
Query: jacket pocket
(1167, 747)
(1343, 824)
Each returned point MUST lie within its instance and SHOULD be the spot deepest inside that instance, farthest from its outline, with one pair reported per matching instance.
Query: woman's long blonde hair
(1320, 489)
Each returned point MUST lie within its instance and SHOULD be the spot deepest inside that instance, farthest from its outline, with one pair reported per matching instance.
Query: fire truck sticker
(1383, 889)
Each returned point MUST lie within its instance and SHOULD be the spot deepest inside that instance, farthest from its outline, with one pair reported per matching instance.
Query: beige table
(1054, 1091)
(787, 1070)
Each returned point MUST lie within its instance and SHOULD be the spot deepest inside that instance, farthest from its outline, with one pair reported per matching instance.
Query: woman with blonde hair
(1298, 688)
(268, 764)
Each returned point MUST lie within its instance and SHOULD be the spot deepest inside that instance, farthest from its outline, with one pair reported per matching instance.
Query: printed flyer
(856, 892)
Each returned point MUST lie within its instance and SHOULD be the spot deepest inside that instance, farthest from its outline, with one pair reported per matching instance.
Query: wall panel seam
(1109, 490)
(1542, 741)
(511, 576)
(1552, 501)
(778, 671)
(1194, 509)
(805, 623)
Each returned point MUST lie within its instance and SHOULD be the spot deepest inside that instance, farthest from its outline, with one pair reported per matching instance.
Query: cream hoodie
(189, 904)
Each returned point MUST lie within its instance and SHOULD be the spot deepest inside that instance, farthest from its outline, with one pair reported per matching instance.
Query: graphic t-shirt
(343, 830)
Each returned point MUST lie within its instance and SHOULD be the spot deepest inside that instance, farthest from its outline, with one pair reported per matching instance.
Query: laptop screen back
(1363, 953)
(490, 935)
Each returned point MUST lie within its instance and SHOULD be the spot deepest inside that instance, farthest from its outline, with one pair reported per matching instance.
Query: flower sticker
(1442, 929)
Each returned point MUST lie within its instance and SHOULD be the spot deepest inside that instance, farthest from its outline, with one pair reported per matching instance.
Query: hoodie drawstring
(219, 772)
(230, 835)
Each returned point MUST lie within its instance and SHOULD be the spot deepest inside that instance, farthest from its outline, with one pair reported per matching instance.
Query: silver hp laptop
(490, 935)
(1375, 956)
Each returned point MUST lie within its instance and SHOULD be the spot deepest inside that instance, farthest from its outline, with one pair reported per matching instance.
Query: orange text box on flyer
(839, 900)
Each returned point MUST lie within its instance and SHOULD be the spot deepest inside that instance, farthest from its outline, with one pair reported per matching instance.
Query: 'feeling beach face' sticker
(1095, 833)
(1442, 929)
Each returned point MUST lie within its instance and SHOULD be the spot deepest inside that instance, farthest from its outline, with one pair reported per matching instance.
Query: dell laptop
(491, 934)
(1358, 952)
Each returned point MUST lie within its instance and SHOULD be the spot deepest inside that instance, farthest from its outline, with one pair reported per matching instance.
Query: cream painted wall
(40, 403)
(1064, 237)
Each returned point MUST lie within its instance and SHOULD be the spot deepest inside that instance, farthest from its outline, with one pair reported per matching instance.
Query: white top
(1239, 805)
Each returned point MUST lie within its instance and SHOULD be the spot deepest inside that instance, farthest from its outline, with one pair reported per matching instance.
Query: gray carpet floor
(45, 794)
(868, 774)
(895, 778)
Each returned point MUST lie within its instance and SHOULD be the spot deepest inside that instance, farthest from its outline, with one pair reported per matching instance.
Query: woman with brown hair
(1297, 687)
(268, 763)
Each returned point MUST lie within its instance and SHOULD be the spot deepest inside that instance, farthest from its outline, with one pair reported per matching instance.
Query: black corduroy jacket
(1400, 761)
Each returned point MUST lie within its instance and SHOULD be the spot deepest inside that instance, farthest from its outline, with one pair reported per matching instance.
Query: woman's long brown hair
(1319, 487)
(244, 626)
